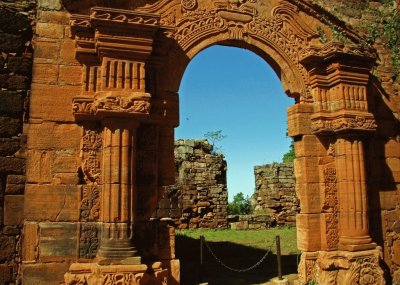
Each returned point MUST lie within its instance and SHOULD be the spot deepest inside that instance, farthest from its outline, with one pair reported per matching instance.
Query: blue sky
(236, 91)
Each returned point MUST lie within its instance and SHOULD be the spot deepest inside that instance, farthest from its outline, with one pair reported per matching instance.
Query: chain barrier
(236, 269)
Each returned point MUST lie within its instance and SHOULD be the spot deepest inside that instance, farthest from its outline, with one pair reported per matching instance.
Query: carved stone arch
(132, 55)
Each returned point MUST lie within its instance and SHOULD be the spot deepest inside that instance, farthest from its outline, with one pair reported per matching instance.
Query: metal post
(201, 259)
(279, 257)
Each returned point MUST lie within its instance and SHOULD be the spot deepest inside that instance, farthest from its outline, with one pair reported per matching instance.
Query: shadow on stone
(234, 255)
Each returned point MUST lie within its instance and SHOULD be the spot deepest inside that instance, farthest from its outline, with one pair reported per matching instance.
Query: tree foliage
(214, 137)
(240, 205)
(289, 156)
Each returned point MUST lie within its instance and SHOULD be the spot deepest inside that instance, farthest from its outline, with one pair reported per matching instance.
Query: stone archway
(132, 55)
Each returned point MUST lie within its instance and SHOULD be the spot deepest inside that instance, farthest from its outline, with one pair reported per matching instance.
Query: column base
(95, 273)
(356, 243)
(341, 267)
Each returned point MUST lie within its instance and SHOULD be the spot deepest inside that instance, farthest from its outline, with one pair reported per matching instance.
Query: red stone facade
(100, 137)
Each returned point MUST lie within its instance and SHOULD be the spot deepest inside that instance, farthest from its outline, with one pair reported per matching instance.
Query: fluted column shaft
(119, 190)
(353, 205)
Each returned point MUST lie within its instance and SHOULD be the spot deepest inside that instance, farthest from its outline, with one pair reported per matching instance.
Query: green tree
(214, 137)
(289, 156)
(240, 205)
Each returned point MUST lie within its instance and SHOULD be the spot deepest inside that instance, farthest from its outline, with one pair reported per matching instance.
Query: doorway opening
(234, 99)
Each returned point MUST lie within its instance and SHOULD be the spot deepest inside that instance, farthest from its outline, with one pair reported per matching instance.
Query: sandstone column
(353, 207)
(118, 200)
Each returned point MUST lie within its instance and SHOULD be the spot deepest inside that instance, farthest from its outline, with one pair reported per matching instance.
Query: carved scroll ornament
(343, 122)
(110, 102)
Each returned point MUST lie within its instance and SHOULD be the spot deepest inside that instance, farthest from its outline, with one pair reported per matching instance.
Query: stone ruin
(275, 192)
(199, 198)
(88, 138)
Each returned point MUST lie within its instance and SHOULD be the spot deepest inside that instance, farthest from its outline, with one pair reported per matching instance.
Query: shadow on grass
(233, 255)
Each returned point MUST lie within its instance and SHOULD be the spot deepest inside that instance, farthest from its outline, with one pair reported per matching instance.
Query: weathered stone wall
(251, 222)
(275, 192)
(199, 199)
(15, 77)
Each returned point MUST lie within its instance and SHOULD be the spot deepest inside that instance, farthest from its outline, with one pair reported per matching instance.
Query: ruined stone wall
(275, 192)
(199, 199)
(16, 21)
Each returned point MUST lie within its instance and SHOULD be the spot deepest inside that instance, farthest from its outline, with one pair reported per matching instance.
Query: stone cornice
(115, 33)
(342, 122)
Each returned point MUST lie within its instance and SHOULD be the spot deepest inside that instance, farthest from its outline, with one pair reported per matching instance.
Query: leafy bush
(240, 205)
(289, 156)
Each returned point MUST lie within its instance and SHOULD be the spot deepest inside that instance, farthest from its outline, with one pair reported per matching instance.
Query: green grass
(261, 239)
(237, 249)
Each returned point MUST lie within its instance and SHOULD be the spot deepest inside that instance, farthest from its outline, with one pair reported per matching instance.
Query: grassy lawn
(261, 239)
(237, 249)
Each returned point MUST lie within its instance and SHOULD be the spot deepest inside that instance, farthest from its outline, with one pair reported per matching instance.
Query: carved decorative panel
(90, 203)
(331, 204)
(89, 240)
(91, 156)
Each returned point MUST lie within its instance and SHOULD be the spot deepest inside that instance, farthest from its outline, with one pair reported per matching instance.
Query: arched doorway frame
(133, 62)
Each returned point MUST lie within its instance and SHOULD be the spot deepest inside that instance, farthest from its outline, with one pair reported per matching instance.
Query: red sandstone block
(13, 210)
(67, 52)
(66, 164)
(53, 102)
(54, 17)
(50, 30)
(393, 163)
(45, 73)
(44, 273)
(310, 196)
(29, 249)
(53, 136)
(46, 51)
(58, 241)
(299, 124)
(308, 232)
(388, 200)
(396, 252)
(39, 166)
(58, 203)
(392, 148)
(306, 170)
(70, 75)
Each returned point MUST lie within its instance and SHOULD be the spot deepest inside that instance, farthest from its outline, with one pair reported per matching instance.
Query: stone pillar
(118, 200)
(340, 122)
(353, 207)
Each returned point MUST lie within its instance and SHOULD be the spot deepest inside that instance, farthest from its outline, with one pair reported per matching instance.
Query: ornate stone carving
(91, 151)
(285, 30)
(123, 16)
(90, 204)
(91, 141)
(88, 241)
(365, 271)
(335, 49)
(87, 274)
(343, 122)
(330, 208)
(189, 4)
(131, 104)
